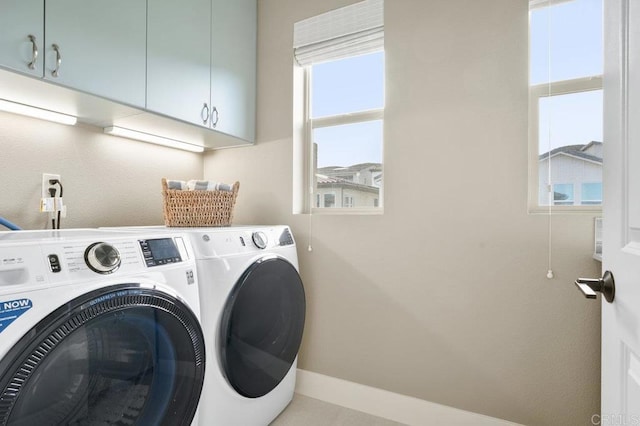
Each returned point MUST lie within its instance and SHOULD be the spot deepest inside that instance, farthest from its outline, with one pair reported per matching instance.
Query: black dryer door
(261, 327)
(123, 355)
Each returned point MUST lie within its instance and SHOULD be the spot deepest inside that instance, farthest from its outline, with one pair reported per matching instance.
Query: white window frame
(536, 92)
(341, 33)
(311, 124)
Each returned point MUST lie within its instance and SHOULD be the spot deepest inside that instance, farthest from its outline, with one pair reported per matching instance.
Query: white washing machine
(99, 327)
(253, 312)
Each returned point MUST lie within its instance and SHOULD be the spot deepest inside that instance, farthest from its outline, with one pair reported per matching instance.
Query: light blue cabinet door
(178, 59)
(22, 35)
(98, 47)
(233, 67)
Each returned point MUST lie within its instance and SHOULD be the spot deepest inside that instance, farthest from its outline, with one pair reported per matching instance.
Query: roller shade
(352, 30)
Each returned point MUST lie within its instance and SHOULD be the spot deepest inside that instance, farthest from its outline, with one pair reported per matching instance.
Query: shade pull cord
(549, 117)
(310, 247)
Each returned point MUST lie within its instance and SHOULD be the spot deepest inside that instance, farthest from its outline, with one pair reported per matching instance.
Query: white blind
(352, 30)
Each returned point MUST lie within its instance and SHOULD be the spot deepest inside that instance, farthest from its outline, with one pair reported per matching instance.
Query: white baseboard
(388, 405)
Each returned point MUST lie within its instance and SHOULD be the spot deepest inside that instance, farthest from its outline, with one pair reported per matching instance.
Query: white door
(621, 249)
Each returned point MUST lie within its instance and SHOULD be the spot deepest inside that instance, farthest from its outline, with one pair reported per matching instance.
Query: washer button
(54, 263)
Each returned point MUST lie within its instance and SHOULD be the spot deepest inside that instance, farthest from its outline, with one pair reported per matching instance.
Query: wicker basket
(198, 208)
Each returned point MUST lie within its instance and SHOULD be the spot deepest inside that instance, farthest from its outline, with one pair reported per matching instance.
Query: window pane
(591, 193)
(563, 194)
(348, 85)
(348, 164)
(330, 200)
(570, 143)
(571, 119)
(566, 41)
(348, 201)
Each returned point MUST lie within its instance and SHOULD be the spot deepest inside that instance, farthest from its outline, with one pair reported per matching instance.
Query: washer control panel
(42, 259)
(162, 251)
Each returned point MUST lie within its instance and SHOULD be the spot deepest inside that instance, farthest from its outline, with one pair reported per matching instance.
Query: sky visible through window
(349, 144)
(349, 85)
(566, 43)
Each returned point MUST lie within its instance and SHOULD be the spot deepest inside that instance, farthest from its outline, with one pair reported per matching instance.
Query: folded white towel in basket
(207, 185)
(199, 185)
(176, 184)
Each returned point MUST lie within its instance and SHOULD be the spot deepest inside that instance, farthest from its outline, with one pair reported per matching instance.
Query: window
(591, 193)
(340, 55)
(563, 194)
(345, 119)
(329, 200)
(565, 103)
(348, 201)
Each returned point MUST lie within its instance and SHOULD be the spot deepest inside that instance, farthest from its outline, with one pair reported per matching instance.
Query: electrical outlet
(46, 177)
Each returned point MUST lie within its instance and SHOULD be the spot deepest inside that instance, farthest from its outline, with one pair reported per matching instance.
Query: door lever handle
(605, 285)
(585, 288)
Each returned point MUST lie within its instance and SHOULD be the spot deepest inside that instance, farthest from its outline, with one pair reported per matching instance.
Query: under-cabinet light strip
(148, 137)
(31, 111)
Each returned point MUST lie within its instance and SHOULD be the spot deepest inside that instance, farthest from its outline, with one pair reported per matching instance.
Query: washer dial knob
(102, 258)
(260, 239)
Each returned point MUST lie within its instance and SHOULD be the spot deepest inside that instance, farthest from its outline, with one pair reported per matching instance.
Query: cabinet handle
(34, 52)
(204, 114)
(56, 48)
(214, 122)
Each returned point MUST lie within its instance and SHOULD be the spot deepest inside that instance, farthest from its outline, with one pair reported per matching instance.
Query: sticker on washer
(11, 310)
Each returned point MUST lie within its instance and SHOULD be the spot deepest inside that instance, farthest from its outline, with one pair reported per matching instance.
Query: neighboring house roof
(376, 167)
(324, 181)
(592, 144)
(577, 151)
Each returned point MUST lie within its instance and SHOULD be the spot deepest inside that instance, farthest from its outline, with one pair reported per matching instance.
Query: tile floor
(313, 412)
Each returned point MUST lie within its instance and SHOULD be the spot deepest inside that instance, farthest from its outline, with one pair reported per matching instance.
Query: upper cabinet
(192, 60)
(22, 35)
(179, 59)
(201, 63)
(233, 68)
(98, 47)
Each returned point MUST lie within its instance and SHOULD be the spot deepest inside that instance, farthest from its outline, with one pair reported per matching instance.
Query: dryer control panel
(240, 240)
(286, 239)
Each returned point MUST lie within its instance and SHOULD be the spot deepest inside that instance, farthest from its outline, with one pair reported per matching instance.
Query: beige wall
(108, 181)
(444, 297)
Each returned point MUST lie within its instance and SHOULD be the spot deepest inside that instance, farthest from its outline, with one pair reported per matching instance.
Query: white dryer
(99, 327)
(253, 313)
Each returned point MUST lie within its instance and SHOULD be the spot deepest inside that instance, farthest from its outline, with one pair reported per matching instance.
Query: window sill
(328, 211)
(570, 210)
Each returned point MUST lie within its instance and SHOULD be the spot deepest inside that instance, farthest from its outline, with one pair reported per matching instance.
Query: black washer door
(123, 355)
(261, 327)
